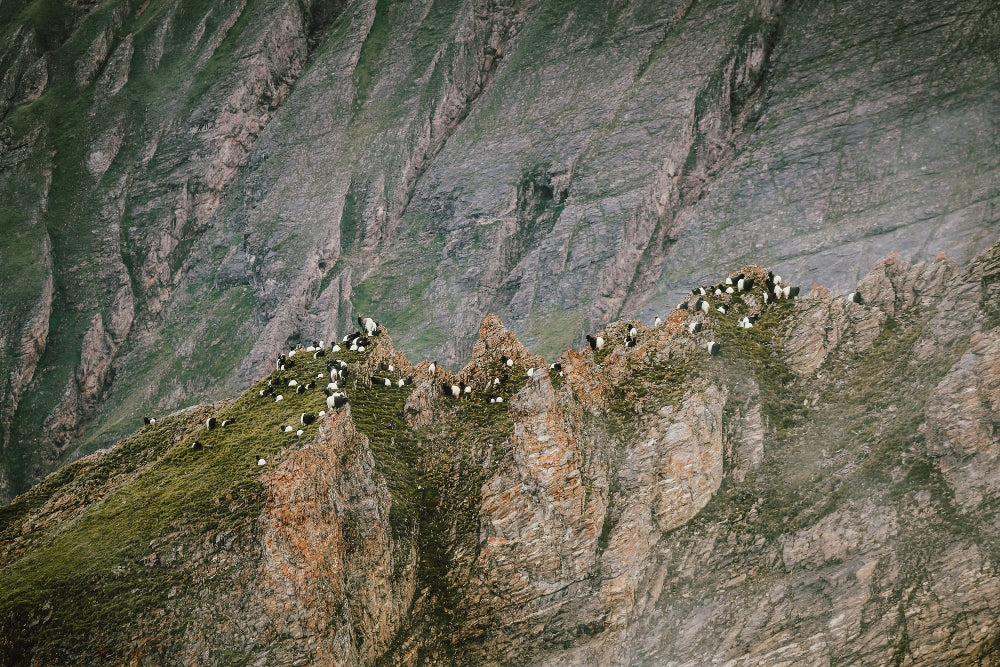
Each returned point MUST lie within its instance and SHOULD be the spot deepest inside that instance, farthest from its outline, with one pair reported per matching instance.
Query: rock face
(209, 184)
(327, 537)
(961, 421)
(820, 492)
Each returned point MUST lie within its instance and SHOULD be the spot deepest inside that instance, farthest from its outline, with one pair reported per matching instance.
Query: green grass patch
(96, 569)
(350, 221)
(93, 571)
(223, 58)
(366, 71)
(52, 21)
(653, 384)
(397, 298)
(102, 557)
(550, 334)
(432, 32)
(602, 354)
(23, 269)
(989, 304)
(757, 353)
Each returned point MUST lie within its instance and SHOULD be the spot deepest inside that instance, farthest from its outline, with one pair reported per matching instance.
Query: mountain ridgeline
(187, 189)
(822, 490)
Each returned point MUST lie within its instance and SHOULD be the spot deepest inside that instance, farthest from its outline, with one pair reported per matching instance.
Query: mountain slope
(193, 188)
(821, 491)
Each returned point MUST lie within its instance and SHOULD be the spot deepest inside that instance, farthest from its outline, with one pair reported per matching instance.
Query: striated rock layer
(821, 492)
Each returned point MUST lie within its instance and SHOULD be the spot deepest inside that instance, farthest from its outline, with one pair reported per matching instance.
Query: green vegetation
(397, 297)
(180, 490)
(847, 422)
(609, 347)
(656, 383)
(150, 378)
(350, 221)
(557, 18)
(433, 31)
(22, 260)
(989, 305)
(72, 118)
(222, 59)
(366, 71)
(93, 573)
(399, 314)
(546, 334)
(161, 491)
(52, 21)
(557, 378)
(534, 194)
(425, 40)
(757, 353)
(181, 494)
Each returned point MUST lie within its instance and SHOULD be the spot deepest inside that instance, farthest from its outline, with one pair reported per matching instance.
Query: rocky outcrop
(327, 537)
(962, 421)
(825, 325)
(794, 500)
(115, 72)
(25, 71)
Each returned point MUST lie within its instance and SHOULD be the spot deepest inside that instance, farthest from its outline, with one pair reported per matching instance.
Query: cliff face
(113, 168)
(822, 491)
(189, 190)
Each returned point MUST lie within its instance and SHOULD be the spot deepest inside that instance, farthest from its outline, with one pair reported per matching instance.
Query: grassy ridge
(95, 572)
(181, 495)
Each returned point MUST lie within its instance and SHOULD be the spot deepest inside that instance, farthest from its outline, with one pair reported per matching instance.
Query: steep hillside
(822, 491)
(188, 188)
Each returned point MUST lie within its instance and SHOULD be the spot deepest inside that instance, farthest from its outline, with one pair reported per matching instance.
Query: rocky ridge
(820, 492)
